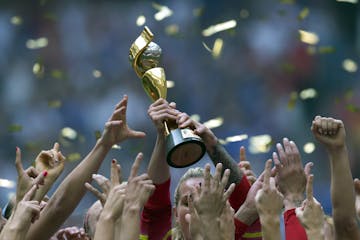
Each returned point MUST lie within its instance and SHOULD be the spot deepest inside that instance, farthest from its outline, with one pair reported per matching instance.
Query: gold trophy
(184, 148)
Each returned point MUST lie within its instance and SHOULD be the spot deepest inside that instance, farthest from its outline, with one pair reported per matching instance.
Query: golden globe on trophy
(184, 148)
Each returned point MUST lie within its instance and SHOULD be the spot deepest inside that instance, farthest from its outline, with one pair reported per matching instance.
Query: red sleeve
(239, 194)
(240, 228)
(156, 215)
(293, 228)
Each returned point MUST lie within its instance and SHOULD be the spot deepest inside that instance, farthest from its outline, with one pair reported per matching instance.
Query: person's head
(91, 218)
(192, 178)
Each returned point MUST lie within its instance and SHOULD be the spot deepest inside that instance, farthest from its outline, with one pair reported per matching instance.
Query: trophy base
(184, 148)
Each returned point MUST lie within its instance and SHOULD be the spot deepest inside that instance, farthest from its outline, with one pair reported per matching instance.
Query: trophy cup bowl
(183, 147)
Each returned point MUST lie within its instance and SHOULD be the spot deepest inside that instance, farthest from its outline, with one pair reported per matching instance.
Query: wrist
(315, 234)
(293, 201)
(246, 214)
(101, 143)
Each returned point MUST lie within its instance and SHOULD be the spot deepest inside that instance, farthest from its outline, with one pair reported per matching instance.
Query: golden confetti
(303, 13)
(197, 12)
(54, 104)
(5, 183)
(141, 20)
(37, 43)
(214, 123)
(58, 74)
(163, 12)
(115, 146)
(349, 65)
(260, 144)
(236, 138)
(309, 147)
(218, 44)
(38, 69)
(308, 37)
(348, 1)
(170, 84)
(72, 157)
(207, 47)
(195, 117)
(97, 134)
(97, 73)
(15, 128)
(308, 93)
(244, 13)
(292, 100)
(326, 49)
(69, 133)
(222, 141)
(172, 29)
(16, 20)
(218, 28)
(352, 108)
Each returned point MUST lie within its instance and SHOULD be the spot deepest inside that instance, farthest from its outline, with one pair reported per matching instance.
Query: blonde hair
(176, 233)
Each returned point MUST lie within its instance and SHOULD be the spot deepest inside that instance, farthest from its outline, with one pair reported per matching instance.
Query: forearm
(218, 154)
(270, 227)
(105, 228)
(13, 232)
(60, 205)
(246, 215)
(130, 224)
(158, 169)
(342, 190)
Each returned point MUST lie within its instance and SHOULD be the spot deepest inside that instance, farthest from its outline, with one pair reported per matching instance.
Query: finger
(242, 154)
(295, 152)
(40, 178)
(288, 151)
(207, 177)
(267, 174)
(118, 166)
(135, 167)
(136, 134)
(324, 126)
(309, 188)
(32, 172)
(114, 173)
(281, 153)
(103, 182)
(229, 191)
(56, 146)
(276, 161)
(94, 191)
(18, 163)
(217, 175)
(307, 168)
(31, 193)
(225, 179)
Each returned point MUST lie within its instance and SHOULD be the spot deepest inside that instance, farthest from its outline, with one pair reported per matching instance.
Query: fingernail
(113, 161)
(45, 173)
(17, 148)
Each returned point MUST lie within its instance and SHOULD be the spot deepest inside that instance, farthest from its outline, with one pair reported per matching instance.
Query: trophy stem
(167, 131)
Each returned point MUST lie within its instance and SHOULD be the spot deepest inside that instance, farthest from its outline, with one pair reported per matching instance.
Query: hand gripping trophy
(184, 148)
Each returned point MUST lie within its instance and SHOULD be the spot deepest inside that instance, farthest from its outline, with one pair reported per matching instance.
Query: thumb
(188, 218)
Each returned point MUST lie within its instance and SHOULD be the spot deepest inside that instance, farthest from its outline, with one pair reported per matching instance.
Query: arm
(357, 192)
(269, 203)
(216, 151)
(138, 191)
(331, 133)
(60, 206)
(26, 212)
(291, 181)
(311, 214)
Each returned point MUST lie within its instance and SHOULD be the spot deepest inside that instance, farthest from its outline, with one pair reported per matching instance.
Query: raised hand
(161, 111)
(311, 213)
(105, 184)
(329, 131)
(291, 176)
(27, 211)
(116, 128)
(245, 166)
(52, 161)
(139, 188)
(210, 199)
(25, 178)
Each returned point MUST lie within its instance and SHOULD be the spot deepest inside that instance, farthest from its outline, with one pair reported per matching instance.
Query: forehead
(190, 183)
